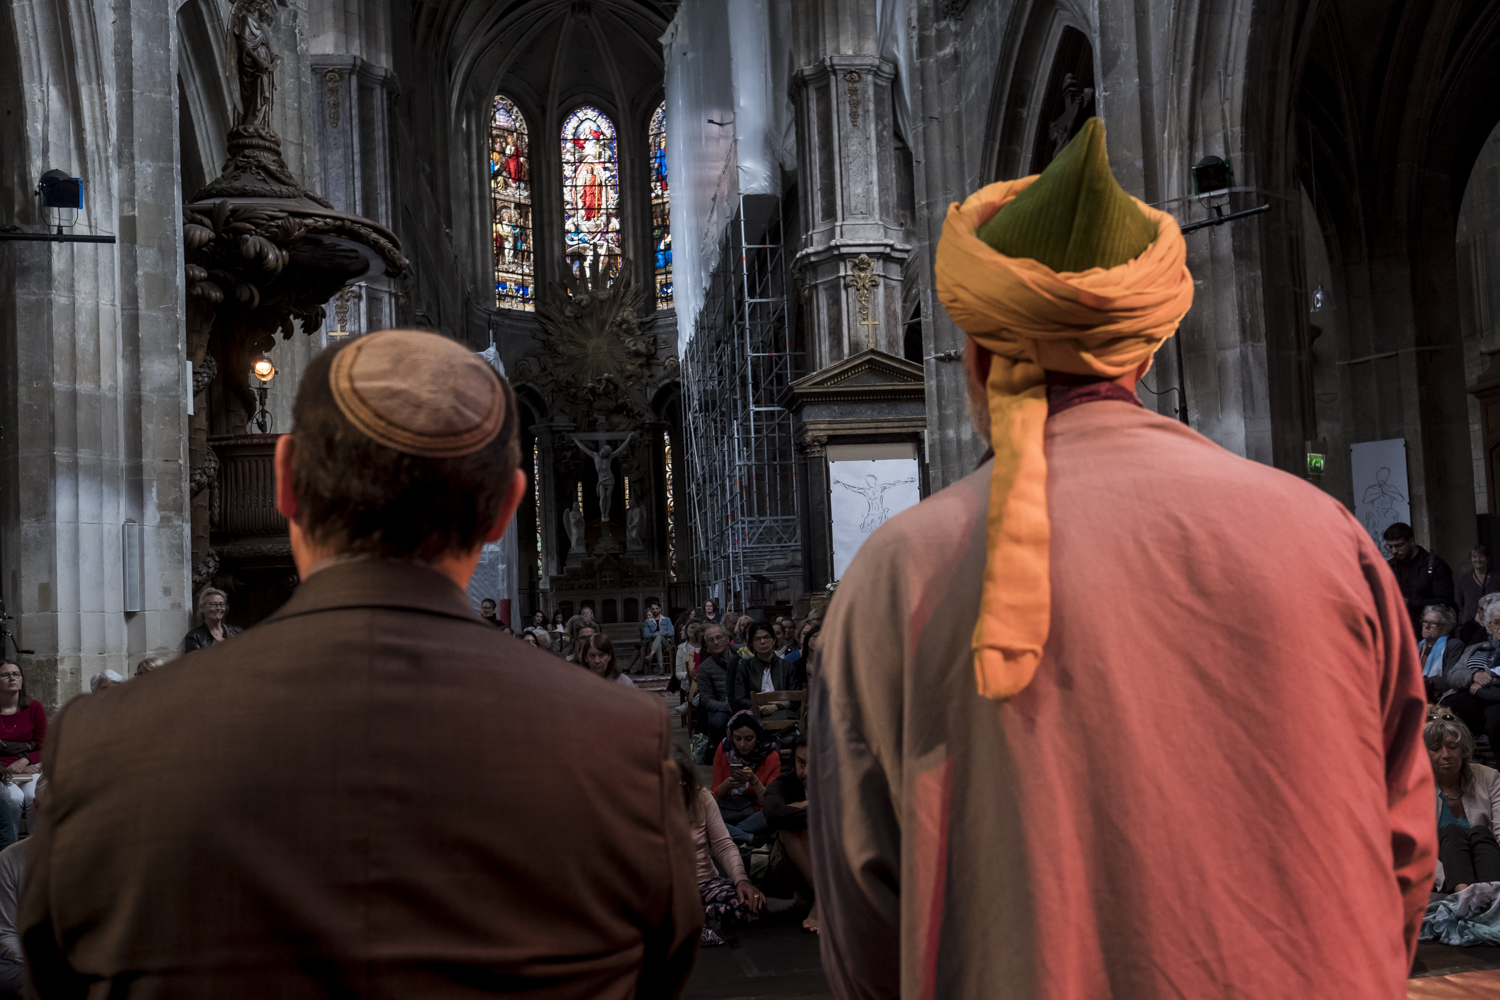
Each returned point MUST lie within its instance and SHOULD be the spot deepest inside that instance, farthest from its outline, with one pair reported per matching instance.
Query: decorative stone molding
(331, 79)
(851, 81)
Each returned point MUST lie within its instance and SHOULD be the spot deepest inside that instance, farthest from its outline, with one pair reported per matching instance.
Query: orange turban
(1102, 322)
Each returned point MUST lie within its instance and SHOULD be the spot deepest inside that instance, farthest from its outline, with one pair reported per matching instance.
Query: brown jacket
(370, 794)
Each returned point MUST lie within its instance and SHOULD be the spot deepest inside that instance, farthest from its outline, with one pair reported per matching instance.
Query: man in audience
(786, 812)
(410, 857)
(763, 671)
(1005, 743)
(714, 672)
(1423, 576)
(657, 632)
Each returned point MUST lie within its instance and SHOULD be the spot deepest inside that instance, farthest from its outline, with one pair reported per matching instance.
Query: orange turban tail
(1102, 322)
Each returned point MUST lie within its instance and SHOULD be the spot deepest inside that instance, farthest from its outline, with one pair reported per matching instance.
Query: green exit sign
(1316, 464)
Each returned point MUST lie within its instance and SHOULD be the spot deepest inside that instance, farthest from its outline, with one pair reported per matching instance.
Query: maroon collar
(1065, 397)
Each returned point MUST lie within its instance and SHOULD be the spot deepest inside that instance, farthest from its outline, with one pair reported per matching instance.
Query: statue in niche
(575, 523)
(635, 528)
(254, 61)
(603, 460)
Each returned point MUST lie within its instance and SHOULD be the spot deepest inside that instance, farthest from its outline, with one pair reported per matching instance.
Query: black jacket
(713, 686)
(201, 637)
(747, 675)
(1424, 580)
(779, 793)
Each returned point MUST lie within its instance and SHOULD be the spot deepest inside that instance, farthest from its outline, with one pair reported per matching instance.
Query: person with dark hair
(657, 633)
(763, 670)
(1480, 581)
(1468, 806)
(599, 658)
(728, 899)
(715, 669)
(711, 614)
(786, 813)
(1424, 578)
(746, 761)
(572, 876)
(23, 727)
(487, 608)
(213, 607)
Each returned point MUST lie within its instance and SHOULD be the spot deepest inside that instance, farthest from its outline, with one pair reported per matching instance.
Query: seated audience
(764, 671)
(714, 669)
(12, 874)
(745, 762)
(783, 637)
(23, 725)
(577, 630)
(688, 653)
(1475, 698)
(657, 633)
(1439, 648)
(786, 813)
(599, 657)
(1480, 581)
(711, 613)
(149, 664)
(1468, 802)
(558, 627)
(213, 607)
(538, 620)
(487, 612)
(587, 614)
(728, 899)
(529, 637)
(104, 679)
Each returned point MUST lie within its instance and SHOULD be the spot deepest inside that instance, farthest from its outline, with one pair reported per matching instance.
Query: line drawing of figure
(1381, 497)
(873, 491)
(603, 458)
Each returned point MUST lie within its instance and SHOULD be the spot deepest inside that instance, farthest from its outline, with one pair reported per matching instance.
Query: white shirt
(766, 684)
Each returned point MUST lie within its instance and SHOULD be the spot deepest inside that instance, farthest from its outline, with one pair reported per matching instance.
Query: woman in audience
(1439, 648)
(23, 725)
(689, 653)
(558, 629)
(728, 899)
(149, 664)
(1468, 802)
(745, 762)
(711, 614)
(213, 608)
(599, 657)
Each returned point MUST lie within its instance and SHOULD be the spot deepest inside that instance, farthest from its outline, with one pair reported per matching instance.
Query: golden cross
(869, 322)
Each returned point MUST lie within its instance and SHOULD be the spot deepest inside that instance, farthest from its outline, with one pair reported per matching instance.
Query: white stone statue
(635, 528)
(603, 461)
(574, 518)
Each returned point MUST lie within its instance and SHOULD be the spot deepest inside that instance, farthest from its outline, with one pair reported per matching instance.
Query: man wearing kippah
(1121, 714)
(365, 796)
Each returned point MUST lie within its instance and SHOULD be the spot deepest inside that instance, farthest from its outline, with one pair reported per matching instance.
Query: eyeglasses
(1427, 624)
(10, 673)
(217, 606)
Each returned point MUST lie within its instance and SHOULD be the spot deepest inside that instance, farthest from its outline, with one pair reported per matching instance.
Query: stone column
(850, 262)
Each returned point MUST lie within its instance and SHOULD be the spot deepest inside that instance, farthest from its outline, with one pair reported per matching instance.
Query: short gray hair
(1485, 603)
(102, 675)
(1449, 616)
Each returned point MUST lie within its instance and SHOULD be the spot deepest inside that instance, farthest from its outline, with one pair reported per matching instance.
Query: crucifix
(603, 458)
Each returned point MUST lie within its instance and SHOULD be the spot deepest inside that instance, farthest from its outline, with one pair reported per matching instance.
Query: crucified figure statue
(603, 460)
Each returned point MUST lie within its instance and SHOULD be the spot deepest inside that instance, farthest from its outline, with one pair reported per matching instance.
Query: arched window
(591, 190)
(510, 207)
(661, 209)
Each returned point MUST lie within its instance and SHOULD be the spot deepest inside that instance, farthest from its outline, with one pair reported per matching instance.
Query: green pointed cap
(1075, 215)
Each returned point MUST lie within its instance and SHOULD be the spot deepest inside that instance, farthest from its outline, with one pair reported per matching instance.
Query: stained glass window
(510, 207)
(591, 190)
(661, 206)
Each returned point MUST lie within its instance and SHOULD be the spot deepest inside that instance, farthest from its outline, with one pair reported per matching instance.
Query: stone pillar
(849, 266)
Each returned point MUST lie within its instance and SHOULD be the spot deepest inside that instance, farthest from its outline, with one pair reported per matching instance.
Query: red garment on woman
(769, 770)
(28, 725)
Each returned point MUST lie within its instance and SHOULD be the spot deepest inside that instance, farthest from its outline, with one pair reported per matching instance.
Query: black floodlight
(1212, 177)
(58, 190)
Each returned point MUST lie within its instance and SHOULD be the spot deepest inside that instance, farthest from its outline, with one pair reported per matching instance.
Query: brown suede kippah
(418, 393)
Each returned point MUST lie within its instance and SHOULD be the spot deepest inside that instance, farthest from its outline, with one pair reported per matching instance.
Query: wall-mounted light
(265, 372)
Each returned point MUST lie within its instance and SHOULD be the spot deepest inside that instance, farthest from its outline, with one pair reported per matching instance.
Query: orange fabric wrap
(1034, 320)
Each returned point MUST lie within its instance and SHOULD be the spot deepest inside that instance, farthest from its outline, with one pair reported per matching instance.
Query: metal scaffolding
(742, 495)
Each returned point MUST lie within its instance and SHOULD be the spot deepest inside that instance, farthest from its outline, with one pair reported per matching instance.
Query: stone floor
(775, 958)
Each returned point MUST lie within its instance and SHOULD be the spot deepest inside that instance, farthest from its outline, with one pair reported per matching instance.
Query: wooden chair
(760, 698)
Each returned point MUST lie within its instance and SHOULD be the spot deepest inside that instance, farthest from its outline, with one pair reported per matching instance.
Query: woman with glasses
(213, 607)
(23, 725)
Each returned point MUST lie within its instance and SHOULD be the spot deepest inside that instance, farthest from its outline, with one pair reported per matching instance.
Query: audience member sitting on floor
(713, 683)
(599, 657)
(1468, 802)
(745, 762)
(213, 608)
(657, 632)
(12, 874)
(1439, 648)
(764, 671)
(23, 725)
(786, 812)
(728, 899)
(104, 679)
(1475, 698)
(149, 664)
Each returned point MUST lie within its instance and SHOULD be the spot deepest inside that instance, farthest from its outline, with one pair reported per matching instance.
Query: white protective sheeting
(895, 47)
(497, 576)
(720, 68)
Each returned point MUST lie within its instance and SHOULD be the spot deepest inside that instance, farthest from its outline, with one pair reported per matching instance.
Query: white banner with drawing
(1381, 497)
(862, 496)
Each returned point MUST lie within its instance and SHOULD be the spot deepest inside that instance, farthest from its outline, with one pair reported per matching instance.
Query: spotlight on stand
(1213, 180)
(265, 372)
(61, 193)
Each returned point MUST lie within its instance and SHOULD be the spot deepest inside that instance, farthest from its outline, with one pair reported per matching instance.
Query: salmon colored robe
(1215, 786)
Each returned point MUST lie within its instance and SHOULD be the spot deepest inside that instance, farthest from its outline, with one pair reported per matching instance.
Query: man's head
(403, 446)
(1400, 541)
(799, 758)
(654, 609)
(487, 608)
(715, 640)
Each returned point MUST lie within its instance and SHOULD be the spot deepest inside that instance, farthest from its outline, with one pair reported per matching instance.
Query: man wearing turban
(368, 794)
(1121, 714)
